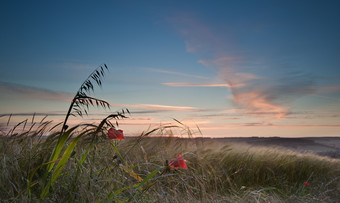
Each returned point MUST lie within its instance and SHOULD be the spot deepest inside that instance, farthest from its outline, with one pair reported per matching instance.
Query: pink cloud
(157, 107)
(250, 91)
(255, 102)
(245, 93)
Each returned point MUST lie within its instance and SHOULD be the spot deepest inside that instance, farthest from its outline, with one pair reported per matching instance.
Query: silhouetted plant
(81, 101)
(79, 105)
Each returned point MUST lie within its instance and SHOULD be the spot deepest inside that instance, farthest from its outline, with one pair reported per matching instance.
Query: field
(323, 146)
(93, 168)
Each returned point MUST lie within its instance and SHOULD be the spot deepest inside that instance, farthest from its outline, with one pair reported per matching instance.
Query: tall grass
(115, 171)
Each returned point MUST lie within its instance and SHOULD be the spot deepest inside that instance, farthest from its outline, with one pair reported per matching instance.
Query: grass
(100, 169)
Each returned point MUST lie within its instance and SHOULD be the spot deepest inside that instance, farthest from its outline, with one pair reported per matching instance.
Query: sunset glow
(260, 68)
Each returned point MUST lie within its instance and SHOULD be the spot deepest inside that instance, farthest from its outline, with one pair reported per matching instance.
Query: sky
(232, 68)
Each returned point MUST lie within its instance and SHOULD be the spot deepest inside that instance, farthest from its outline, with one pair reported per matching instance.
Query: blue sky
(235, 68)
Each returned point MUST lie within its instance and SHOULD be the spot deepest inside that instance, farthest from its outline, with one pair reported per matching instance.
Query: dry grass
(217, 173)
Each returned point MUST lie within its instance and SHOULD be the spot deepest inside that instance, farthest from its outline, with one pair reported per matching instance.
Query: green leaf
(152, 174)
(29, 183)
(61, 164)
(117, 192)
(115, 148)
(59, 147)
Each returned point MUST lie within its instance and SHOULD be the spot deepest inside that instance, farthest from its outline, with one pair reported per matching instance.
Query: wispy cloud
(328, 89)
(157, 107)
(194, 85)
(27, 92)
(263, 94)
(251, 89)
(175, 73)
(251, 125)
(77, 66)
(35, 114)
(197, 36)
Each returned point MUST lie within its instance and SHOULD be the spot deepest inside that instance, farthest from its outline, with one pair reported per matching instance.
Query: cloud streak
(157, 107)
(27, 92)
(175, 73)
(194, 85)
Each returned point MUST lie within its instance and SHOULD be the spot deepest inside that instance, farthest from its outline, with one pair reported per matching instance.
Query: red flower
(306, 183)
(115, 134)
(178, 162)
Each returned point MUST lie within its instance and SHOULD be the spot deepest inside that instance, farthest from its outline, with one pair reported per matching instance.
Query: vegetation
(87, 163)
(134, 170)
